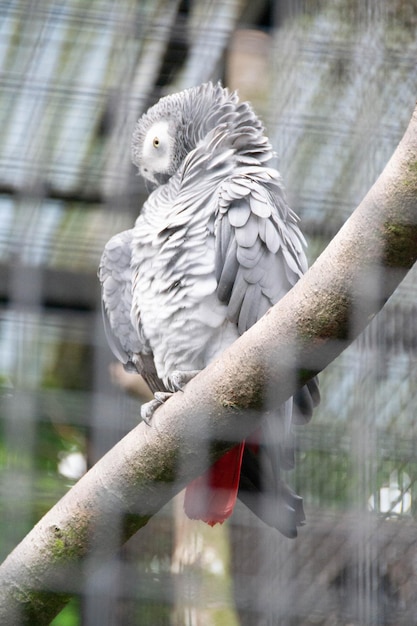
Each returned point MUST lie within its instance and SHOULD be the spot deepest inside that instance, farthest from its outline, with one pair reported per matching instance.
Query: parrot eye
(155, 142)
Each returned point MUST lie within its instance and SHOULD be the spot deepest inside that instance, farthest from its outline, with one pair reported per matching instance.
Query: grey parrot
(214, 247)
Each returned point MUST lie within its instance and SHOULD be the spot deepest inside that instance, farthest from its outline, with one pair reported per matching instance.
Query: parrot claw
(180, 378)
(177, 380)
(148, 408)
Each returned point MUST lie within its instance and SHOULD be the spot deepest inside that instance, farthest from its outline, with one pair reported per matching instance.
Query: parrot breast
(174, 287)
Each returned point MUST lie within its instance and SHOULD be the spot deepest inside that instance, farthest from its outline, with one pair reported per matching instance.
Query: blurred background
(335, 83)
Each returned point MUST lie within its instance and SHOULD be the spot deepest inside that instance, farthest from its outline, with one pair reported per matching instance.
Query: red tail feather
(212, 497)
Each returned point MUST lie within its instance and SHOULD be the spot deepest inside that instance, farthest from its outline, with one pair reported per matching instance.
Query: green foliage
(70, 615)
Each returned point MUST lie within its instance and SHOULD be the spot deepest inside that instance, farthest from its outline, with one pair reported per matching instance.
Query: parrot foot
(180, 378)
(177, 380)
(148, 408)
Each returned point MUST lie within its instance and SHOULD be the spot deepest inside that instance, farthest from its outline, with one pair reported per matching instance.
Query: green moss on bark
(401, 251)
(67, 544)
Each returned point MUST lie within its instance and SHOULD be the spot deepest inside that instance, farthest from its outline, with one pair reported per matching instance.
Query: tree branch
(304, 332)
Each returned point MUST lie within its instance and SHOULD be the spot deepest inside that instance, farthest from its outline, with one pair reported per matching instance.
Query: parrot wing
(259, 247)
(126, 342)
(259, 258)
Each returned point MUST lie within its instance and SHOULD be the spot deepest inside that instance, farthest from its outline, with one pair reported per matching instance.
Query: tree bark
(297, 338)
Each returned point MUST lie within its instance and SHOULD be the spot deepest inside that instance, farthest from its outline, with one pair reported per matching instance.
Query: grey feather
(259, 207)
(126, 342)
(115, 278)
(247, 235)
(238, 214)
(226, 273)
(249, 256)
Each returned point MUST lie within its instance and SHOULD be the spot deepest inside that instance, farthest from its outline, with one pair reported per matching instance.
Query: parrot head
(158, 142)
(174, 126)
(156, 151)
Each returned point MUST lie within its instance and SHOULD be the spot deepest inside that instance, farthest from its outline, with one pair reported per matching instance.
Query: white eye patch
(157, 147)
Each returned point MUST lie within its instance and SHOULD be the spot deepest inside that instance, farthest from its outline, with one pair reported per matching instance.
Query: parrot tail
(212, 497)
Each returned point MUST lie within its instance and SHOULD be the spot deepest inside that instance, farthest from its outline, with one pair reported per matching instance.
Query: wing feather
(259, 248)
(259, 206)
(247, 235)
(239, 213)
(115, 278)
(229, 269)
(270, 236)
(249, 256)
(126, 342)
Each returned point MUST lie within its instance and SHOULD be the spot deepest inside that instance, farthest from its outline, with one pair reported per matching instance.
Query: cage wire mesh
(335, 83)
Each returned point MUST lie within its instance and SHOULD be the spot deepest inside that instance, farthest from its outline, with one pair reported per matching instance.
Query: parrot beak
(150, 185)
(157, 181)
